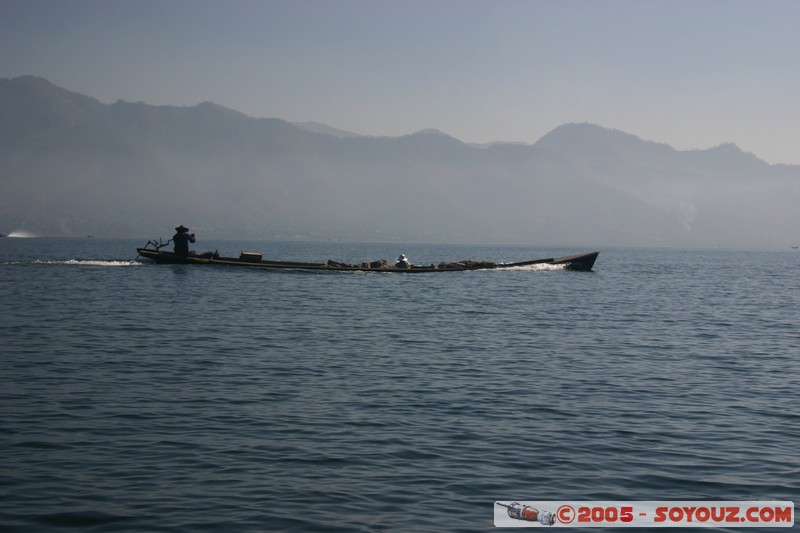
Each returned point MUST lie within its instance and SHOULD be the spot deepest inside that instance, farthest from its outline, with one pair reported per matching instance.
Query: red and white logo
(701, 513)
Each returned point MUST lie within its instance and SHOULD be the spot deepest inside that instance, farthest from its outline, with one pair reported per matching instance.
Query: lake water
(138, 397)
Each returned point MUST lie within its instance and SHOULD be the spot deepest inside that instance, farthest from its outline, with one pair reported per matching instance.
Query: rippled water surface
(141, 397)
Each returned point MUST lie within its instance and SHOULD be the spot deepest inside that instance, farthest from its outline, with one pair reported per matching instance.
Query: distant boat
(581, 262)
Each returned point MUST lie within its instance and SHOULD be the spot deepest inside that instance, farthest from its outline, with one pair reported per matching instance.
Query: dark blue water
(144, 398)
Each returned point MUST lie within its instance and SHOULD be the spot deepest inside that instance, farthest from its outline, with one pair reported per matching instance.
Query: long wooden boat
(582, 262)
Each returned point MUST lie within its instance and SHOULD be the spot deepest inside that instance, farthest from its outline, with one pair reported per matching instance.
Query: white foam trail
(535, 268)
(89, 263)
(21, 234)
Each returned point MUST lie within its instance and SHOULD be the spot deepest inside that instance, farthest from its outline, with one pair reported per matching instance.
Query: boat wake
(78, 262)
(93, 262)
(533, 268)
(19, 234)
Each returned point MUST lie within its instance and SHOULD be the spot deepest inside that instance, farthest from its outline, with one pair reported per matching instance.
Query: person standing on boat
(181, 240)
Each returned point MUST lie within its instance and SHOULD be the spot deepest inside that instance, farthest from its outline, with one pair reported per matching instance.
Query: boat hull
(582, 262)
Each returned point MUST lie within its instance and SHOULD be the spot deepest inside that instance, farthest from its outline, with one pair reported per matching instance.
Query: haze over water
(142, 397)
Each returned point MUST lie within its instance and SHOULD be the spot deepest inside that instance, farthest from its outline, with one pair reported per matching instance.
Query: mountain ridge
(73, 165)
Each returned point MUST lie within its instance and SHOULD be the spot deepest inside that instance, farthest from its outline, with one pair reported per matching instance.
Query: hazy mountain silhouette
(723, 195)
(70, 164)
(316, 127)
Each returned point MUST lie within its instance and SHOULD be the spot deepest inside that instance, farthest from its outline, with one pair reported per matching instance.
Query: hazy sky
(692, 74)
